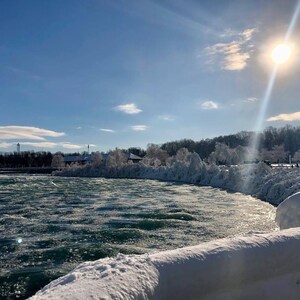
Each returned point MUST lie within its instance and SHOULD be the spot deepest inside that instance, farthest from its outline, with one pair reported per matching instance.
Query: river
(48, 225)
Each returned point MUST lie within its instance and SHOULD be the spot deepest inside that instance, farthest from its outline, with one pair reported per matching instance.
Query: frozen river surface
(48, 225)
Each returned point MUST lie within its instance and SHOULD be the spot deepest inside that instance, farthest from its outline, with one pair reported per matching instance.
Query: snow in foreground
(256, 266)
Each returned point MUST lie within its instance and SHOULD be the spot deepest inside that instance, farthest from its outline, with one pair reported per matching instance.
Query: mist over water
(48, 225)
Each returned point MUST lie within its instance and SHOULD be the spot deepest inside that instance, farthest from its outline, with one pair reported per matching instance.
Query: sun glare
(281, 53)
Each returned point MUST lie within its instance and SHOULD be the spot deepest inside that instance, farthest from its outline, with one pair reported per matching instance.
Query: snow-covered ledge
(256, 266)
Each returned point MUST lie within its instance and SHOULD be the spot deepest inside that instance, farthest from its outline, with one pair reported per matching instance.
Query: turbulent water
(48, 225)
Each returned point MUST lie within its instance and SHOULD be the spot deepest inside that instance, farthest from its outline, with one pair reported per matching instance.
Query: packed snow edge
(218, 269)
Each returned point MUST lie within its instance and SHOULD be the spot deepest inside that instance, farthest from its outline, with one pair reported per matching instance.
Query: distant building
(80, 159)
(134, 158)
(18, 148)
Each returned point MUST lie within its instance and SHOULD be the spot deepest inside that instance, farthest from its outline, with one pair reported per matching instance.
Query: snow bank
(257, 266)
(288, 212)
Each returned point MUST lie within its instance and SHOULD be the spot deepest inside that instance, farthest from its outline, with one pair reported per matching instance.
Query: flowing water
(48, 225)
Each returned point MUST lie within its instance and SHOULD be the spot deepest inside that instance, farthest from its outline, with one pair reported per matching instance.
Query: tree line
(286, 139)
(275, 145)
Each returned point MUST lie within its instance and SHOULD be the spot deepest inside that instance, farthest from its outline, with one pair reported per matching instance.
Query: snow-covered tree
(154, 153)
(57, 161)
(116, 158)
(97, 159)
(296, 157)
(221, 155)
(276, 154)
(183, 154)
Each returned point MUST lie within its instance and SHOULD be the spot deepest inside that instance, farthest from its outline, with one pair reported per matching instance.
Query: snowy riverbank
(259, 180)
(256, 266)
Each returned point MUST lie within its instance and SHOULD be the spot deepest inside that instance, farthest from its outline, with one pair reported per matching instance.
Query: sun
(281, 53)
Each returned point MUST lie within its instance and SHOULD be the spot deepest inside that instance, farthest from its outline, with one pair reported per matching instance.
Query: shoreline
(260, 181)
(28, 170)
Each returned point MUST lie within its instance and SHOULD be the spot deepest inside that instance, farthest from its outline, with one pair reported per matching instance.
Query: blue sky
(128, 73)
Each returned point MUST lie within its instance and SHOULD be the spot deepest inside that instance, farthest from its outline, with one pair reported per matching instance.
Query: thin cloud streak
(285, 117)
(139, 127)
(27, 133)
(251, 99)
(129, 108)
(166, 117)
(52, 145)
(5, 145)
(40, 144)
(106, 130)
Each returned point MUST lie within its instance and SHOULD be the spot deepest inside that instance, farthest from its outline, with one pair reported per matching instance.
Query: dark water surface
(48, 225)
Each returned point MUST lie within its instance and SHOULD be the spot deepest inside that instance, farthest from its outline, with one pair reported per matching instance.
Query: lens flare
(281, 53)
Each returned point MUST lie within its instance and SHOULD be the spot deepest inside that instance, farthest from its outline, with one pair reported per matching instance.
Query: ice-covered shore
(256, 266)
(260, 180)
(253, 266)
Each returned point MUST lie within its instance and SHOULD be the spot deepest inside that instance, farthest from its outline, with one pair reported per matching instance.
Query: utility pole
(88, 149)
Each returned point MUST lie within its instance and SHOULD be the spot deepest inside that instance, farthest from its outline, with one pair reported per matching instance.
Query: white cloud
(248, 33)
(79, 128)
(27, 133)
(52, 145)
(68, 145)
(208, 105)
(233, 55)
(129, 108)
(106, 130)
(251, 99)
(166, 117)
(139, 127)
(5, 145)
(285, 117)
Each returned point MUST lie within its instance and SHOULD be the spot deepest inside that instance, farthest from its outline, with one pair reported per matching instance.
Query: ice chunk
(288, 212)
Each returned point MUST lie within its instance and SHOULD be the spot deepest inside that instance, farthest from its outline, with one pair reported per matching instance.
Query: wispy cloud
(25, 73)
(248, 33)
(52, 145)
(251, 99)
(27, 133)
(106, 130)
(5, 145)
(233, 55)
(68, 145)
(139, 127)
(166, 117)
(79, 128)
(208, 105)
(285, 117)
(129, 108)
